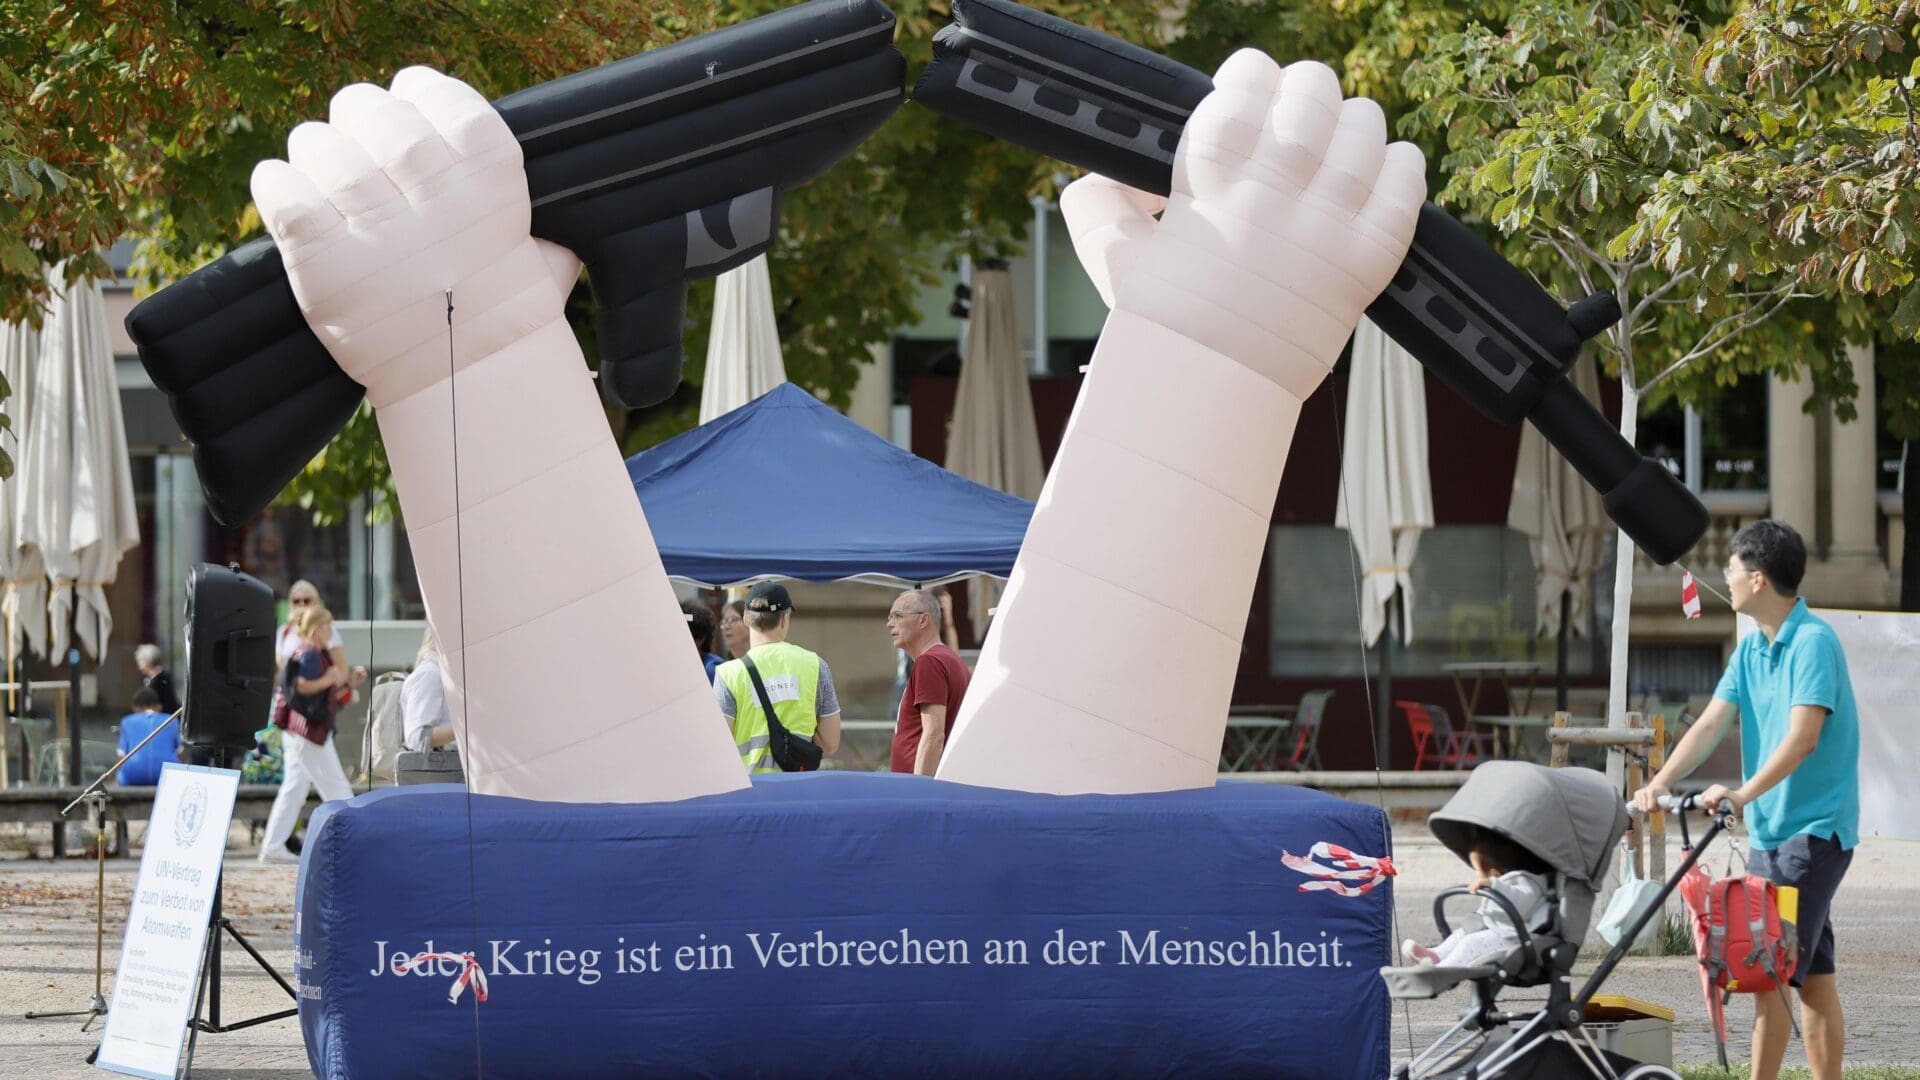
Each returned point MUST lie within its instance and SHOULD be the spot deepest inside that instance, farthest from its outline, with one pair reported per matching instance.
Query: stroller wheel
(1649, 1072)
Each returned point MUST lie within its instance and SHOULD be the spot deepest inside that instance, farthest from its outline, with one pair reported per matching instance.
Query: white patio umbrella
(80, 485)
(23, 579)
(743, 346)
(1565, 523)
(1386, 491)
(993, 439)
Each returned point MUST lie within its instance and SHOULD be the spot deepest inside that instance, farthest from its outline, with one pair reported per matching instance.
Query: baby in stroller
(1539, 841)
(1502, 866)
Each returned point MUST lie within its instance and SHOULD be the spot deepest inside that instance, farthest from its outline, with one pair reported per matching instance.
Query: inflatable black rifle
(654, 170)
(1472, 318)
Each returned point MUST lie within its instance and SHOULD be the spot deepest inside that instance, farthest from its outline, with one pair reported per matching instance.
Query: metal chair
(1306, 731)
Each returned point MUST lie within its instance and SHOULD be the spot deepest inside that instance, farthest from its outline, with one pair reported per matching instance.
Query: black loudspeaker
(229, 658)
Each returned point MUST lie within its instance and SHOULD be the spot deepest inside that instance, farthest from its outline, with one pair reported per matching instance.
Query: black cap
(769, 596)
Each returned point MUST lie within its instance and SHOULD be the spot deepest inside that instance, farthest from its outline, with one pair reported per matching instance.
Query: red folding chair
(1434, 737)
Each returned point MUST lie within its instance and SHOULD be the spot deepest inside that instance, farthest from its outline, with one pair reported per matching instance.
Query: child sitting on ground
(1499, 865)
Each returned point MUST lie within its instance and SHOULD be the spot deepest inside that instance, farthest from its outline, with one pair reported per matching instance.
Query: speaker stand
(208, 995)
(97, 1006)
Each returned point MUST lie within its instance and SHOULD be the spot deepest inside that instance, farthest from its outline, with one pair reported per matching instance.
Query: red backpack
(1744, 931)
(1750, 945)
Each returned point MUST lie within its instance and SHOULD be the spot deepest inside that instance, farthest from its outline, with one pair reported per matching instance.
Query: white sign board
(159, 972)
(1881, 647)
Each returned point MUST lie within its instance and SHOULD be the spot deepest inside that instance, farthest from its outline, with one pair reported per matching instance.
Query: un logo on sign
(192, 814)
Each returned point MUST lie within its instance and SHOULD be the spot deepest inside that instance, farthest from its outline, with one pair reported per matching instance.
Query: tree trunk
(1910, 522)
(1622, 591)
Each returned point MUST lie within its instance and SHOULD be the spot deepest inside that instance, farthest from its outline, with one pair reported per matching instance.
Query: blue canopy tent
(786, 487)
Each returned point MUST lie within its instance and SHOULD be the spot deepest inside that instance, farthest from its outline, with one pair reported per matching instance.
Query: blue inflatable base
(843, 924)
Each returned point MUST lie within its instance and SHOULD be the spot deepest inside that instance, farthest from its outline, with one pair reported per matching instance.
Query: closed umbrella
(79, 486)
(743, 346)
(1386, 491)
(114, 528)
(1566, 526)
(994, 440)
(23, 601)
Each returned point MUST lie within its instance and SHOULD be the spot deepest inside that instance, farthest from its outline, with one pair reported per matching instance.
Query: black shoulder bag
(791, 752)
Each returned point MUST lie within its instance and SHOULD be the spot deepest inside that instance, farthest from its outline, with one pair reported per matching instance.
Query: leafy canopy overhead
(1742, 175)
(144, 118)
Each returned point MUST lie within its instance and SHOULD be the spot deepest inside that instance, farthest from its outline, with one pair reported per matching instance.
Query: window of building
(1887, 449)
(1474, 600)
(1732, 434)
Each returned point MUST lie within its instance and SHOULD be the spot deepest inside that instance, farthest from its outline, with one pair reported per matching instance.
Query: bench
(41, 805)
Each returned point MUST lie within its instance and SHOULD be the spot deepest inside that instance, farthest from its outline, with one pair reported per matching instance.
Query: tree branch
(1579, 268)
(1817, 75)
(1584, 249)
(1745, 320)
(1668, 286)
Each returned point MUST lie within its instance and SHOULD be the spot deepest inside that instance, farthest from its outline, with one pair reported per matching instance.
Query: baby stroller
(1572, 820)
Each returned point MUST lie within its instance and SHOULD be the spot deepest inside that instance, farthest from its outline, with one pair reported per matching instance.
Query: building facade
(1759, 453)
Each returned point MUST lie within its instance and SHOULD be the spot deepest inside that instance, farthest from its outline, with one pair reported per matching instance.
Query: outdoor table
(1519, 745)
(1481, 670)
(59, 689)
(1253, 739)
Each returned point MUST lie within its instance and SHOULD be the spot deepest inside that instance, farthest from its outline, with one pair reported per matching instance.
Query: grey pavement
(1876, 947)
(47, 943)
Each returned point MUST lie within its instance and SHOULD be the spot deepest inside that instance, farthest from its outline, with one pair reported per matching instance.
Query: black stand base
(95, 1009)
(209, 992)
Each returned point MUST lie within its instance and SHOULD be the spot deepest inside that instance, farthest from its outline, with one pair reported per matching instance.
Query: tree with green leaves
(1822, 97)
(149, 116)
(1612, 152)
(143, 119)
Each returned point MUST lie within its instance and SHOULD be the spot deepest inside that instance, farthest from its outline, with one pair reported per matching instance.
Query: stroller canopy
(1571, 818)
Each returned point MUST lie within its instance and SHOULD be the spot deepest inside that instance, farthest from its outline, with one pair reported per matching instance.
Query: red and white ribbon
(470, 972)
(1689, 595)
(1338, 870)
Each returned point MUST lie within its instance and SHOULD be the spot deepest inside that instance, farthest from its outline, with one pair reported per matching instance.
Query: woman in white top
(426, 722)
(301, 596)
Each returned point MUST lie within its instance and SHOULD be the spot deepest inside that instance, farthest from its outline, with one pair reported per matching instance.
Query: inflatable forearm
(403, 225)
(1480, 324)
(1110, 664)
(654, 170)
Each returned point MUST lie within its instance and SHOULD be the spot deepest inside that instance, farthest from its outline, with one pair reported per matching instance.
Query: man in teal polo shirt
(1787, 686)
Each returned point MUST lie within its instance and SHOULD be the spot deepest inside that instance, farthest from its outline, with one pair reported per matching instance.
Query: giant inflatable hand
(1111, 662)
(403, 225)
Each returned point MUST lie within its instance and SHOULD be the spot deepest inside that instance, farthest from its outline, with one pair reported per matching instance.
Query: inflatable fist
(1289, 214)
(403, 223)
(1111, 662)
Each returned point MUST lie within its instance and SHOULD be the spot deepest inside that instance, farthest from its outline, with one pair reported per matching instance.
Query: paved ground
(47, 950)
(46, 963)
(1874, 928)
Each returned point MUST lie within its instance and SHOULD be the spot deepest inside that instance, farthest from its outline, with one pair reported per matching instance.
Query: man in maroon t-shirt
(934, 689)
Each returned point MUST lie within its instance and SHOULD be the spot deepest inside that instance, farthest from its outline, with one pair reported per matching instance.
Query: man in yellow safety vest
(798, 682)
